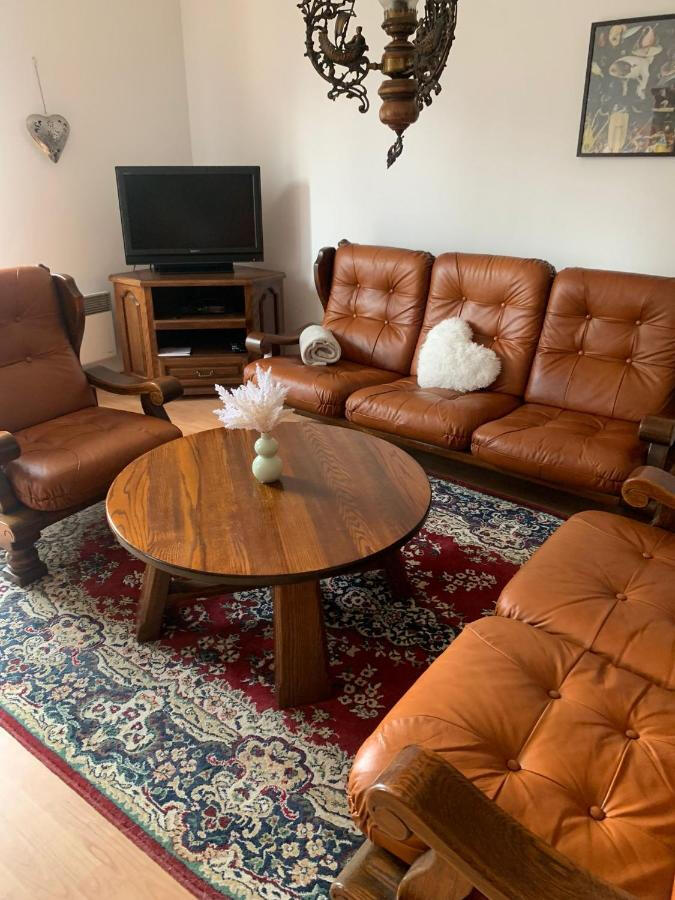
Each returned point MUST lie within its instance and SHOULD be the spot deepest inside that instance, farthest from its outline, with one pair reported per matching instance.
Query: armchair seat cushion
(72, 460)
(575, 449)
(608, 584)
(320, 389)
(434, 415)
(580, 752)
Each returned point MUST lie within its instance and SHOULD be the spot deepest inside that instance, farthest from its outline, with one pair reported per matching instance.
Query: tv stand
(161, 315)
(193, 268)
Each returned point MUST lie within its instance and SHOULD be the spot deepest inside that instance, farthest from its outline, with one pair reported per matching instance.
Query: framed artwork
(629, 101)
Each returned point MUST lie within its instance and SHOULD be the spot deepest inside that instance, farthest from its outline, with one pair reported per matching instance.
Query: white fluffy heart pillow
(449, 359)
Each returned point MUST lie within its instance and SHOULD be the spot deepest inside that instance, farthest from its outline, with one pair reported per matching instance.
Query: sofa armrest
(421, 794)
(649, 483)
(9, 450)
(659, 433)
(153, 393)
(263, 344)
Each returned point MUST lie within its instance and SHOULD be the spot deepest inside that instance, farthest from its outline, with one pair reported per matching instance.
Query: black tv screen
(190, 215)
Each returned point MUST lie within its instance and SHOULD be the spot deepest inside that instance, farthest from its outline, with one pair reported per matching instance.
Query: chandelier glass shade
(412, 63)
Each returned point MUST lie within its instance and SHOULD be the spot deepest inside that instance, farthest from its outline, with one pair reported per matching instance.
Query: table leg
(154, 593)
(300, 656)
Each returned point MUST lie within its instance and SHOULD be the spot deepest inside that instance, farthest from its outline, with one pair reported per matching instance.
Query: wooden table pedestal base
(300, 656)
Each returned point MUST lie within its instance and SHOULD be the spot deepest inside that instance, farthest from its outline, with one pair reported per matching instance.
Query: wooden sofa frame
(657, 431)
(471, 840)
(20, 526)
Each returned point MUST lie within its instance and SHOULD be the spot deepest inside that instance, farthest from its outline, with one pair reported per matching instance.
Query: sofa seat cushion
(320, 389)
(73, 459)
(570, 448)
(433, 415)
(607, 583)
(581, 752)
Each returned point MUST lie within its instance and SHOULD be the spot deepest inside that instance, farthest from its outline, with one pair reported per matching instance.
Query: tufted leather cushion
(618, 601)
(432, 415)
(40, 375)
(581, 751)
(73, 459)
(568, 448)
(591, 771)
(376, 304)
(607, 346)
(319, 389)
(502, 298)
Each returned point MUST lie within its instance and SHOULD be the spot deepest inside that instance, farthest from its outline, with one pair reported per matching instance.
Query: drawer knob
(204, 373)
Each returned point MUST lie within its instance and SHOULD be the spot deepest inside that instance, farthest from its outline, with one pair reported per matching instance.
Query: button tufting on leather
(386, 321)
(621, 597)
(647, 555)
(588, 318)
(595, 812)
(29, 359)
(554, 695)
(581, 353)
(638, 322)
(629, 361)
(513, 765)
(632, 735)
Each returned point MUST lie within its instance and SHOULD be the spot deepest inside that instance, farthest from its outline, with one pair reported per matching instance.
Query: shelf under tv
(149, 316)
(211, 322)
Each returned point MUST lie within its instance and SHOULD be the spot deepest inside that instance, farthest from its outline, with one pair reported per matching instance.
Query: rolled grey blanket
(318, 346)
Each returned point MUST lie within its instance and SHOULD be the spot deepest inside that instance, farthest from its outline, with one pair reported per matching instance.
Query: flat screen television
(183, 218)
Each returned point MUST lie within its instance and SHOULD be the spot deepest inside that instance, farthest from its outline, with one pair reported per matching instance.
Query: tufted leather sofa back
(502, 298)
(376, 304)
(607, 346)
(40, 375)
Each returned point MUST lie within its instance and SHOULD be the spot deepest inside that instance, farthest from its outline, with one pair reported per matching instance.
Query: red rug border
(110, 811)
(117, 817)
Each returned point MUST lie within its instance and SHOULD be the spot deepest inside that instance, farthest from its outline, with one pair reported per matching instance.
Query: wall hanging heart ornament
(50, 133)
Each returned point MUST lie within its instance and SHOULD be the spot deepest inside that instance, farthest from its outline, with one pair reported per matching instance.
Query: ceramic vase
(267, 465)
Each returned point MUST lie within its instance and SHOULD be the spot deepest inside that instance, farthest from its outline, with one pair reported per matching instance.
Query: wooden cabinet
(209, 313)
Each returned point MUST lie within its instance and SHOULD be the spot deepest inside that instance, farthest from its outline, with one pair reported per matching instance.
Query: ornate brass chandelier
(412, 65)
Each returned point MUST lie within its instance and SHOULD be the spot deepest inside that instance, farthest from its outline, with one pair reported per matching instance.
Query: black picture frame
(659, 18)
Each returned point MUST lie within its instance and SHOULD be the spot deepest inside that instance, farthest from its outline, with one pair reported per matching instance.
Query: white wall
(115, 70)
(491, 166)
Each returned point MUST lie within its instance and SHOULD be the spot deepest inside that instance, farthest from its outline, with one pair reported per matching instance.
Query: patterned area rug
(178, 742)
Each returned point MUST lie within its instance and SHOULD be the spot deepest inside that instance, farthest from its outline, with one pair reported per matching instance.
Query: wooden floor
(53, 844)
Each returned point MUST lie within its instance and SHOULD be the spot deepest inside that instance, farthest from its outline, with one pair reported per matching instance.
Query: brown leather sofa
(587, 387)
(536, 756)
(59, 451)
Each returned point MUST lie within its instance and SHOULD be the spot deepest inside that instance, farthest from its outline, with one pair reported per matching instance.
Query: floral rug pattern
(181, 735)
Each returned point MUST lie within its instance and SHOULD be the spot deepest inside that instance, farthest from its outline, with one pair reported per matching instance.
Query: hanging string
(37, 75)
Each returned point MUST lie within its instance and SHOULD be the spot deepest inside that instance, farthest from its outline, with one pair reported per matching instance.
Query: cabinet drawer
(205, 372)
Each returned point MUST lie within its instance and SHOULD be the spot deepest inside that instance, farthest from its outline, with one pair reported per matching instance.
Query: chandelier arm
(342, 63)
(433, 42)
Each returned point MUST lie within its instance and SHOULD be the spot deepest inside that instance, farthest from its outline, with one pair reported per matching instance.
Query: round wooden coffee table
(191, 510)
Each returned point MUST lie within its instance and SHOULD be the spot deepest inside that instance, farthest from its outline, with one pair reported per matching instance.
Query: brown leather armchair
(60, 451)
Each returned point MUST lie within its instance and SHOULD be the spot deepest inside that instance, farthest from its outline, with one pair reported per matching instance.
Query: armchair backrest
(502, 298)
(376, 304)
(607, 346)
(40, 374)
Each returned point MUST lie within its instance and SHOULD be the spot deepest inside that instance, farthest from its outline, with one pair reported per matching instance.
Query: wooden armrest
(421, 794)
(262, 343)
(160, 390)
(9, 448)
(659, 433)
(649, 483)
